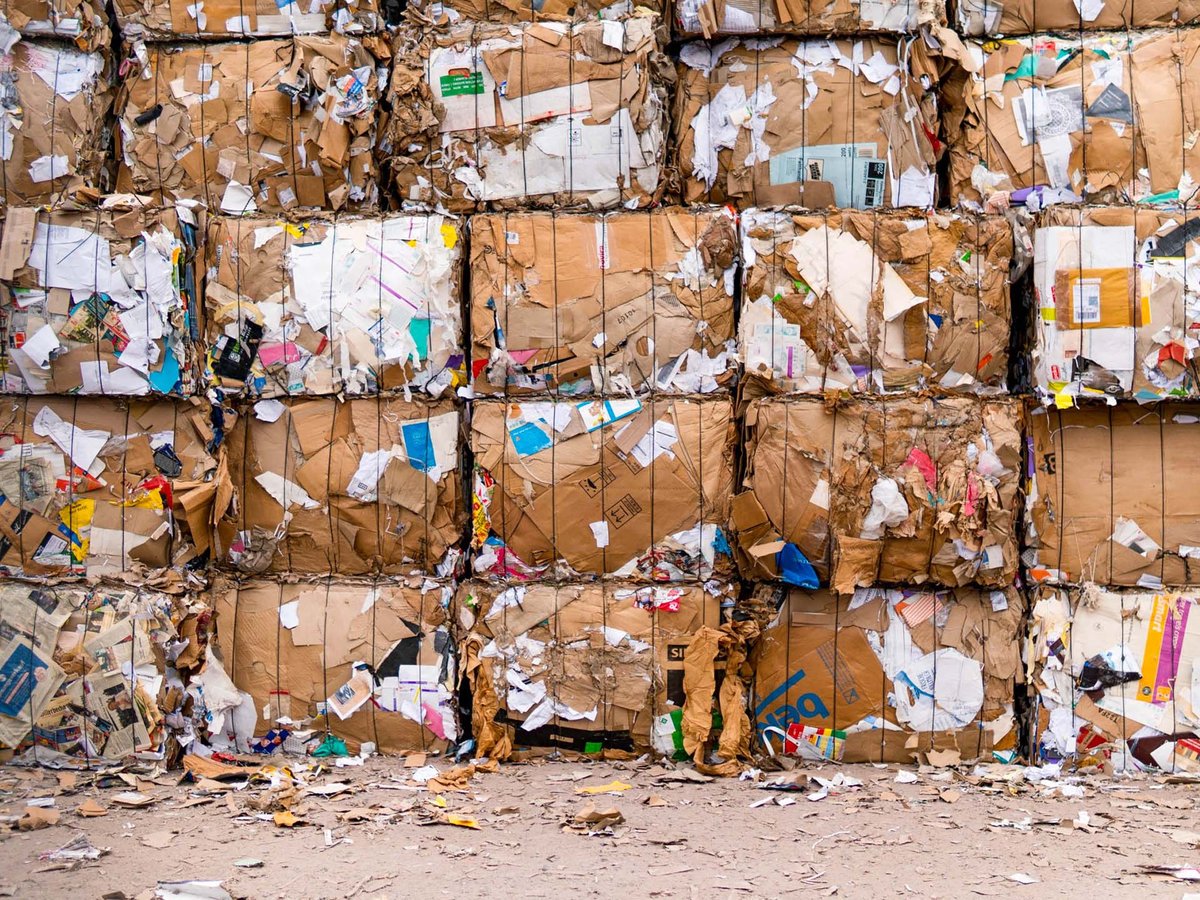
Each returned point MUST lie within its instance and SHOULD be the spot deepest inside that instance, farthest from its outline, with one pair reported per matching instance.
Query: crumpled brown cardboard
(631, 487)
(580, 665)
(875, 301)
(509, 116)
(1112, 671)
(56, 100)
(696, 18)
(302, 137)
(347, 304)
(987, 17)
(813, 123)
(1115, 317)
(1108, 500)
(100, 301)
(96, 486)
(172, 20)
(895, 491)
(1107, 118)
(292, 646)
(83, 23)
(883, 673)
(350, 487)
(603, 303)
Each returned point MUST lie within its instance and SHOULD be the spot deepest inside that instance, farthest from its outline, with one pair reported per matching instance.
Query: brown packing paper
(327, 460)
(166, 20)
(580, 122)
(555, 494)
(739, 17)
(853, 487)
(935, 311)
(642, 300)
(864, 136)
(582, 663)
(815, 667)
(398, 629)
(978, 17)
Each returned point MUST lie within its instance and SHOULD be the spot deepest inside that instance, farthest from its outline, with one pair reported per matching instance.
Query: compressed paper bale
(84, 23)
(706, 18)
(168, 20)
(430, 13)
(983, 17)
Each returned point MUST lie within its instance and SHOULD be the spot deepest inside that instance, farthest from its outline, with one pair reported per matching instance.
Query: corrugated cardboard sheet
(165, 20)
(893, 491)
(980, 17)
(82, 22)
(813, 123)
(1116, 678)
(875, 301)
(883, 675)
(1021, 119)
(614, 303)
(346, 487)
(100, 301)
(709, 17)
(1116, 314)
(323, 306)
(268, 125)
(453, 12)
(632, 487)
(366, 660)
(95, 486)
(491, 116)
(93, 672)
(56, 101)
(1109, 498)
(580, 666)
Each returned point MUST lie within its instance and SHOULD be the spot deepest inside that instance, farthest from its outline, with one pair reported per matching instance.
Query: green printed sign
(458, 83)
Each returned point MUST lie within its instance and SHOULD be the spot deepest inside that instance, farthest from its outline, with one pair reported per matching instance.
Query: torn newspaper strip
(172, 20)
(100, 301)
(580, 666)
(901, 491)
(323, 306)
(92, 487)
(364, 660)
(637, 488)
(1115, 678)
(875, 301)
(270, 125)
(551, 114)
(1012, 17)
(342, 487)
(707, 18)
(1142, 527)
(812, 123)
(887, 675)
(1043, 119)
(616, 303)
(54, 105)
(1118, 300)
(84, 23)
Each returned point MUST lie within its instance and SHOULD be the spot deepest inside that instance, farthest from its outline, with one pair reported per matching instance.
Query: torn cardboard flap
(351, 305)
(603, 303)
(706, 18)
(171, 20)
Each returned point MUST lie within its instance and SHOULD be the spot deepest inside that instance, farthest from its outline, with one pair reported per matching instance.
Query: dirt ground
(376, 833)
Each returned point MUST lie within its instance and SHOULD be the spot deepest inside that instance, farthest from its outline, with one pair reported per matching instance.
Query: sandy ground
(934, 833)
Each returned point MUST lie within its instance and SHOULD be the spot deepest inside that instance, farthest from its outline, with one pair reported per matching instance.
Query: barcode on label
(873, 195)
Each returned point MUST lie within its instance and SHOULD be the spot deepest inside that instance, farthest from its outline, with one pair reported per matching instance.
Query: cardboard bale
(348, 487)
(785, 122)
(365, 660)
(875, 301)
(637, 488)
(613, 303)
(986, 17)
(900, 491)
(93, 672)
(84, 23)
(1105, 118)
(706, 18)
(887, 675)
(94, 487)
(301, 136)
(172, 20)
(443, 13)
(489, 116)
(347, 305)
(1116, 317)
(1113, 676)
(56, 103)
(1109, 498)
(100, 301)
(581, 666)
